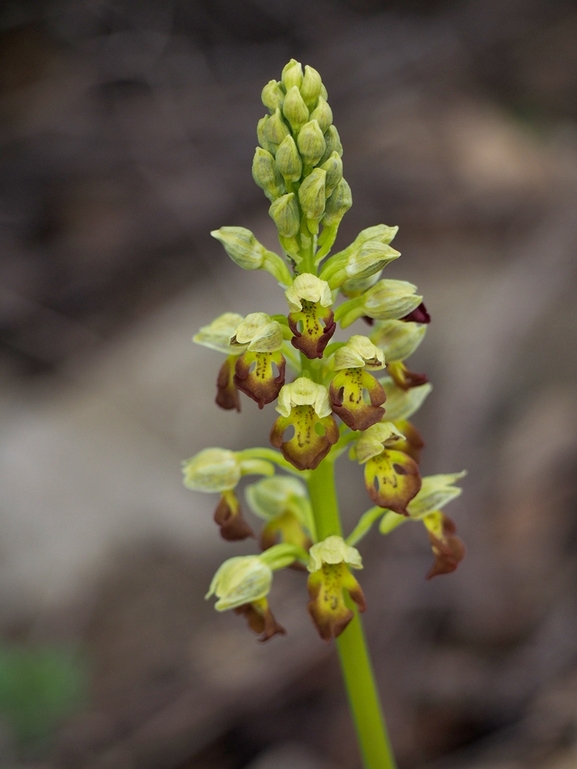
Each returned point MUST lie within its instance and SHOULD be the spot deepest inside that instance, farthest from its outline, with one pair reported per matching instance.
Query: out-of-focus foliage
(39, 687)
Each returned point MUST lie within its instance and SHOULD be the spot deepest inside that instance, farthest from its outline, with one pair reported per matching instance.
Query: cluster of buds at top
(330, 395)
(298, 163)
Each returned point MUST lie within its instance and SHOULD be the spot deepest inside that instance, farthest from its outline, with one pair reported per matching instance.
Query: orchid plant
(329, 397)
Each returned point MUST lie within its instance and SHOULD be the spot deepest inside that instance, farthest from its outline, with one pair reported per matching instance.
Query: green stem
(353, 653)
(364, 697)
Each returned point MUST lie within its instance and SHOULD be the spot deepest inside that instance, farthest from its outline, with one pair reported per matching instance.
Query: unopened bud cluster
(298, 163)
(357, 395)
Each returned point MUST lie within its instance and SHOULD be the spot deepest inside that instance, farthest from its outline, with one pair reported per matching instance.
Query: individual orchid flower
(261, 338)
(246, 251)
(219, 471)
(217, 336)
(283, 503)
(352, 381)
(310, 318)
(391, 477)
(387, 299)
(329, 582)
(399, 339)
(242, 584)
(436, 492)
(304, 405)
(366, 256)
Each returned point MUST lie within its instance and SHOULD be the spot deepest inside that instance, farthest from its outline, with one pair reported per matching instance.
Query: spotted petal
(347, 394)
(312, 326)
(312, 439)
(327, 588)
(392, 480)
(256, 377)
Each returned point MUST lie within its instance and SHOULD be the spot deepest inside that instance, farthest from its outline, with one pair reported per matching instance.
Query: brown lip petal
(418, 315)
(347, 401)
(306, 449)
(398, 479)
(404, 378)
(261, 620)
(226, 393)
(448, 551)
(327, 588)
(315, 336)
(413, 443)
(233, 526)
(261, 385)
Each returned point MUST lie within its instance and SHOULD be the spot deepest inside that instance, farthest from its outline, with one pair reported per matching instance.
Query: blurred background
(127, 129)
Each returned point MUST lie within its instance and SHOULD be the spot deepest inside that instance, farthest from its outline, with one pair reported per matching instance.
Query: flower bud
(272, 95)
(334, 168)
(266, 174)
(323, 114)
(271, 497)
(240, 580)
(402, 404)
(381, 232)
(311, 143)
(294, 109)
(312, 194)
(387, 299)
(338, 204)
(284, 211)
(218, 334)
(359, 263)
(311, 86)
(212, 470)
(242, 246)
(398, 338)
(275, 129)
(371, 257)
(261, 134)
(288, 160)
(332, 143)
(283, 503)
(292, 74)
(357, 286)
(390, 299)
